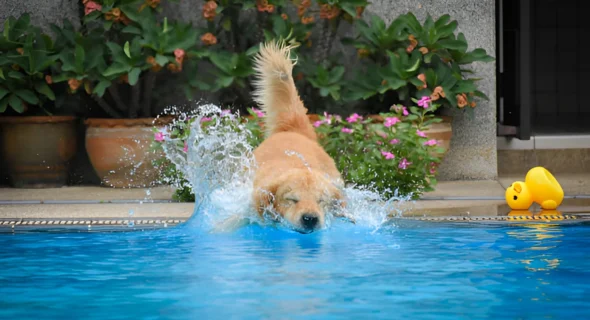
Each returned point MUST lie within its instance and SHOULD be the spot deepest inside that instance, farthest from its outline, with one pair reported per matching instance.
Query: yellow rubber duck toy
(518, 196)
(540, 186)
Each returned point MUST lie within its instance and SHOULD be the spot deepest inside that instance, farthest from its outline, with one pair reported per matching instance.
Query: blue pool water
(414, 270)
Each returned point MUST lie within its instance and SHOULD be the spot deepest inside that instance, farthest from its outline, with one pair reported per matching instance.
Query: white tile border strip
(545, 142)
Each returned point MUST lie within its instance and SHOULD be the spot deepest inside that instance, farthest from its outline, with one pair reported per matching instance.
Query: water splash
(218, 162)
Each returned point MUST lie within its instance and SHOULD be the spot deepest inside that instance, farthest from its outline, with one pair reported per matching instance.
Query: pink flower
(391, 121)
(382, 135)
(379, 142)
(404, 164)
(318, 123)
(338, 118)
(225, 112)
(328, 118)
(205, 119)
(394, 141)
(423, 102)
(353, 118)
(179, 53)
(185, 149)
(90, 7)
(432, 168)
(421, 134)
(159, 136)
(388, 155)
(346, 130)
(431, 142)
(258, 113)
(399, 108)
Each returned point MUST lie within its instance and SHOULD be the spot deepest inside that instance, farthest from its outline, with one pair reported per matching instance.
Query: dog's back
(276, 93)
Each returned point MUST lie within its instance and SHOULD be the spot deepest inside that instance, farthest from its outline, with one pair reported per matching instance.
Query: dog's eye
(292, 200)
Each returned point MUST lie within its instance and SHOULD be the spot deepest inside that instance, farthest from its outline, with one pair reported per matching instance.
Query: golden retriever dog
(295, 178)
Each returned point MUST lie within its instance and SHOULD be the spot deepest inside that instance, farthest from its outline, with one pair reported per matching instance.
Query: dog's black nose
(309, 221)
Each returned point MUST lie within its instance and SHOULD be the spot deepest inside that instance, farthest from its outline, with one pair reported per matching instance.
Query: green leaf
(116, 51)
(222, 61)
(377, 23)
(252, 51)
(226, 24)
(464, 86)
(480, 94)
(131, 29)
(126, 49)
(28, 96)
(412, 23)
(161, 60)
(134, 76)
(414, 66)
(395, 83)
(335, 95)
(107, 25)
(442, 20)
(336, 74)
(16, 103)
(3, 105)
(350, 9)
(417, 82)
(101, 87)
(2, 74)
(453, 44)
(225, 82)
(45, 90)
(116, 69)
(447, 30)
(92, 16)
(80, 56)
(3, 92)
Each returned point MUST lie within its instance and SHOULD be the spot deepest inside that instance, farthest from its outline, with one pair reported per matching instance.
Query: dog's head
(302, 197)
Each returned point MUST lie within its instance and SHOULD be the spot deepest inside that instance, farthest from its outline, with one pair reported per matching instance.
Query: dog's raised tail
(275, 90)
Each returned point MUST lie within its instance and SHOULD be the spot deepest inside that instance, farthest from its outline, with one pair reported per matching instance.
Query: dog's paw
(230, 224)
(345, 215)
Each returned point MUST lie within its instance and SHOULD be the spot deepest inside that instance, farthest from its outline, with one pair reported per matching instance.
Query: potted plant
(410, 60)
(37, 144)
(115, 60)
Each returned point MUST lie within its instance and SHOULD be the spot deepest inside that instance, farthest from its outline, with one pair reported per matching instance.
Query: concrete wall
(473, 147)
(43, 13)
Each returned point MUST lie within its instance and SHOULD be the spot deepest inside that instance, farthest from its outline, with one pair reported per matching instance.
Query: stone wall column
(473, 153)
(43, 12)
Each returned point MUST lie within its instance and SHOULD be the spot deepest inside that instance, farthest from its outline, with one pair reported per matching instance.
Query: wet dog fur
(295, 178)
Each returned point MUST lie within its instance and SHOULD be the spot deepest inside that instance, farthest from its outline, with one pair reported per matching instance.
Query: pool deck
(105, 206)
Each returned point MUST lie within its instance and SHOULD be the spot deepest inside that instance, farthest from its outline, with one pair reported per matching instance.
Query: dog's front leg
(230, 224)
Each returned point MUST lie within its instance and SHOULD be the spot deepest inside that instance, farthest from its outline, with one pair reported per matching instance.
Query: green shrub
(391, 155)
(25, 57)
(408, 59)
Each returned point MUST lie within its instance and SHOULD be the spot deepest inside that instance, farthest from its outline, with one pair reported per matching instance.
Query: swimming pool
(413, 270)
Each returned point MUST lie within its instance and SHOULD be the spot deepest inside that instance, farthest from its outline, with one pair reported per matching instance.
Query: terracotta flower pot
(37, 150)
(120, 151)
